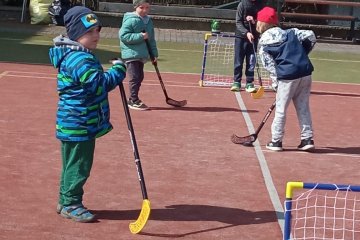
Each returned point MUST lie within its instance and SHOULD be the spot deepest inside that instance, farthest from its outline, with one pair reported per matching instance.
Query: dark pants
(77, 160)
(135, 72)
(244, 50)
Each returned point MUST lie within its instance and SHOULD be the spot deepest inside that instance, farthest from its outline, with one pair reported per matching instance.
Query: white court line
(193, 74)
(17, 74)
(343, 155)
(166, 82)
(36, 73)
(3, 74)
(181, 84)
(274, 196)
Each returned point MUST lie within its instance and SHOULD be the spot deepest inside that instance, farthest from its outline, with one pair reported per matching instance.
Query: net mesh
(218, 63)
(325, 215)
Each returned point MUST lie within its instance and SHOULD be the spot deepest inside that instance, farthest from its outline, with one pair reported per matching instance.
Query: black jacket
(244, 9)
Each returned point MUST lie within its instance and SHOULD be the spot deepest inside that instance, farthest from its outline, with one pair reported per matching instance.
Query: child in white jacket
(284, 53)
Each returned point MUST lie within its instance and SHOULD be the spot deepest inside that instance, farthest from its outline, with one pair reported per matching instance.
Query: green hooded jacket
(132, 43)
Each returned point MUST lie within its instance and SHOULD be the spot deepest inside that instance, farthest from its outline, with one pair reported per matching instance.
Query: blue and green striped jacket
(83, 111)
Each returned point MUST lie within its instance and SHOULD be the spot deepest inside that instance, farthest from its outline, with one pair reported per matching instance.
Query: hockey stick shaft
(260, 91)
(247, 140)
(256, 60)
(133, 141)
(267, 115)
(138, 225)
(169, 100)
(156, 69)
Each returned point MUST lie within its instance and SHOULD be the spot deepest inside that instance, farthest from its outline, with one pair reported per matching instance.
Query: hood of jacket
(62, 47)
(134, 15)
(273, 36)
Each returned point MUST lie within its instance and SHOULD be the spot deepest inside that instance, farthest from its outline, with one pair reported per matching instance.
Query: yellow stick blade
(139, 224)
(259, 93)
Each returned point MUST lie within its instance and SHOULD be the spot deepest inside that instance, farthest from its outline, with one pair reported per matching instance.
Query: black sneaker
(274, 146)
(306, 145)
(137, 105)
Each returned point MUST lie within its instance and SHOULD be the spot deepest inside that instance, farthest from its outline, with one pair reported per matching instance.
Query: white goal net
(218, 62)
(326, 211)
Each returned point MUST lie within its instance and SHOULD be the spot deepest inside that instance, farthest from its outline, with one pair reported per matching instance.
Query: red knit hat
(268, 15)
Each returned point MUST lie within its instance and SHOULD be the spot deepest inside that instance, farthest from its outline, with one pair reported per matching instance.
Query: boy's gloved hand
(115, 61)
(118, 61)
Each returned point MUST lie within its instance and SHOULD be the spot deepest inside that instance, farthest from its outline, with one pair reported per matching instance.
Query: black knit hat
(137, 3)
(78, 21)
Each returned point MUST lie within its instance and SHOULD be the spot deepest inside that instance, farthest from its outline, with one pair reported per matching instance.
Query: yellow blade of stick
(139, 224)
(259, 93)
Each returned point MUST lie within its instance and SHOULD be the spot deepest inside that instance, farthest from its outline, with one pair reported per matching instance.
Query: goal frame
(292, 186)
(229, 75)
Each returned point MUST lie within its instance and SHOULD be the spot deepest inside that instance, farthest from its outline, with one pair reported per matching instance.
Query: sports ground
(200, 184)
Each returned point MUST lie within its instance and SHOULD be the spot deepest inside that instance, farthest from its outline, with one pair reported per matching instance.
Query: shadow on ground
(231, 216)
(201, 109)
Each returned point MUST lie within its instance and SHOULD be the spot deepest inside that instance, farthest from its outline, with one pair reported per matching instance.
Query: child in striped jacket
(83, 112)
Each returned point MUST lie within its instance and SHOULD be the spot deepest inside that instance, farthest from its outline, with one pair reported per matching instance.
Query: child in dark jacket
(245, 37)
(83, 112)
(284, 53)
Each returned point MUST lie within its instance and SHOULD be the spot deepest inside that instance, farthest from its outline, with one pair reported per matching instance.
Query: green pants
(77, 160)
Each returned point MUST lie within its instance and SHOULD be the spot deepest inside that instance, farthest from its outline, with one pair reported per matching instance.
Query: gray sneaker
(306, 145)
(137, 105)
(274, 146)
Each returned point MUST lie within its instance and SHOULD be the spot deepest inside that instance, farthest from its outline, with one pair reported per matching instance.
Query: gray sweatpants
(297, 90)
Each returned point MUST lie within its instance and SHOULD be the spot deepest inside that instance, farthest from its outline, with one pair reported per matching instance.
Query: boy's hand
(145, 35)
(250, 19)
(118, 61)
(250, 37)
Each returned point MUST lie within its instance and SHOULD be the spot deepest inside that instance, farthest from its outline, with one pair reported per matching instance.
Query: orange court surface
(200, 184)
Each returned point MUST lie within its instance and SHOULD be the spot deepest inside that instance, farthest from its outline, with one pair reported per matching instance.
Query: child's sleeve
(128, 36)
(92, 77)
(269, 64)
(239, 20)
(307, 38)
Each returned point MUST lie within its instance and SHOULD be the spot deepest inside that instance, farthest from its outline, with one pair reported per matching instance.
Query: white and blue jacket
(284, 53)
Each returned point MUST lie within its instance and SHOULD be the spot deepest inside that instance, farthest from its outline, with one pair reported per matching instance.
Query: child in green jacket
(137, 27)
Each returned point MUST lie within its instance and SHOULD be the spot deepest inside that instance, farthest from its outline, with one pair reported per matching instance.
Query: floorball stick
(248, 140)
(260, 91)
(139, 224)
(169, 101)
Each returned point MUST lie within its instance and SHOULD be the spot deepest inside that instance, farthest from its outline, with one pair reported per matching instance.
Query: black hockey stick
(248, 140)
(169, 101)
(138, 225)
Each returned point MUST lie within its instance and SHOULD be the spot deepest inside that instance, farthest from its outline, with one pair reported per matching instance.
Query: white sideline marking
(274, 196)
(3, 74)
(343, 155)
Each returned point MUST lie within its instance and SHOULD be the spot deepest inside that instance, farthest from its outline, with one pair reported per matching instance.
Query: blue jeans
(244, 50)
